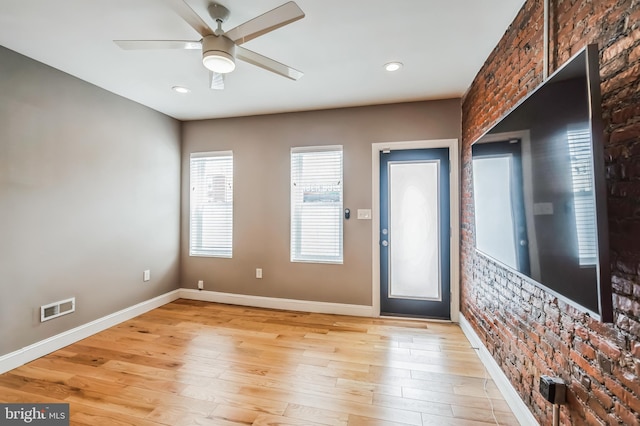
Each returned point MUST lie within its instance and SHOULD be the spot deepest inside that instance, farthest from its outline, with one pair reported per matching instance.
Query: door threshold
(414, 318)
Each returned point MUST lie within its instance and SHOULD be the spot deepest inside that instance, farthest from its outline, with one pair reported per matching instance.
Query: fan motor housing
(218, 44)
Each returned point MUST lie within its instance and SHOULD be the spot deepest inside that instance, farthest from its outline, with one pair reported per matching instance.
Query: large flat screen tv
(539, 188)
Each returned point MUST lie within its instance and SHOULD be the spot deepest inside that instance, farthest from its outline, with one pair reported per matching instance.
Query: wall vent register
(57, 309)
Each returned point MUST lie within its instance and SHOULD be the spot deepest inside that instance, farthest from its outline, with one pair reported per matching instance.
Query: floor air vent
(56, 309)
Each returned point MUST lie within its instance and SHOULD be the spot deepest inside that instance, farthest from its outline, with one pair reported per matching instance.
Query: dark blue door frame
(440, 309)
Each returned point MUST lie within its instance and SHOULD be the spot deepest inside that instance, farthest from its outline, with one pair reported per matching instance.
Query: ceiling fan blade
(269, 21)
(216, 80)
(157, 44)
(267, 63)
(187, 13)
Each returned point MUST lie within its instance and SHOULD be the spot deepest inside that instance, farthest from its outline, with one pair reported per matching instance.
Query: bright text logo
(37, 414)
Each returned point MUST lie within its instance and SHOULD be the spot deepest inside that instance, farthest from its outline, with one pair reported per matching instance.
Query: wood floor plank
(368, 421)
(198, 363)
(106, 402)
(234, 414)
(446, 398)
(271, 420)
(429, 407)
(434, 420)
(483, 414)
(81, 414)
(316, 415)
(343, 394)
(235, 396)
(383, 389)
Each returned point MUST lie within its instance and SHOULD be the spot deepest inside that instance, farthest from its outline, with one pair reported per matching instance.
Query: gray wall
(89, 198)
(261, 147)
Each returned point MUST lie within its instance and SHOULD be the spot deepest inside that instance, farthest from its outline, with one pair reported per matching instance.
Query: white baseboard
(519, 408)
(29, 353)
(277, 303)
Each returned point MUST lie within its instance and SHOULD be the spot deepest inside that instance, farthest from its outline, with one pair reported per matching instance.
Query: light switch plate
(364, 213)
(146, 275)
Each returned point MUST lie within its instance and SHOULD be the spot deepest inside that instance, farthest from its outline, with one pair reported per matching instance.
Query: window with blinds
(316, 204)
(583, 194)
(211, 204)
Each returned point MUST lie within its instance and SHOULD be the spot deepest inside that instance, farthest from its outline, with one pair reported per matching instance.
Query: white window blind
(583, 194)
(316, 204)
(211, 204)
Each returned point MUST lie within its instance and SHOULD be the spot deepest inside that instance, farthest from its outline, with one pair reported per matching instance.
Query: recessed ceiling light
(180, 89)
(393, 66)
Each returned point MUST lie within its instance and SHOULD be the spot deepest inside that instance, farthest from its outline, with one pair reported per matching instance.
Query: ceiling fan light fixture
(220, 62)
(218, 54)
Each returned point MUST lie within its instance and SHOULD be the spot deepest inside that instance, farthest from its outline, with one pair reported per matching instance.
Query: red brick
(607, 331)
(592, 420)
(626, 133)
(615, 388)
(609, 349)
(512, 70)
(582, 332)
(587, 367)
(612, 68)
(585, 350)
(616, 49)
(597, 408)
(627, 378)
(634, 55)
(634, 327)
(628, 418)
(579, 391)
(576, 410)
(634, 17)
(622, 286)
(623, 79)
(603, 398)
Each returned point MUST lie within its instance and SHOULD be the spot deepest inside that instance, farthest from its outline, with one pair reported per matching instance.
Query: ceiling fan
(221, 48)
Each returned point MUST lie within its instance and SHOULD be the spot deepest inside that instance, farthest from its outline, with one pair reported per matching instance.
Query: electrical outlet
(200, 284)
(258, 272)
(146, 275)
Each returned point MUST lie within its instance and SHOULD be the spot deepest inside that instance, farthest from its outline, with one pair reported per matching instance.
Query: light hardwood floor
(198, 363)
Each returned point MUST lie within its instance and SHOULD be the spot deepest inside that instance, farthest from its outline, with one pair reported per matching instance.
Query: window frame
(296, 246)
(199, 250)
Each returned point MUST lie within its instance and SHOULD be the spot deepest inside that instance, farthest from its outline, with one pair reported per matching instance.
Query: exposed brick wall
(528, 331)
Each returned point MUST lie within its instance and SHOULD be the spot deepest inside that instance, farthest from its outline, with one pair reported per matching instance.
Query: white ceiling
(341, 45)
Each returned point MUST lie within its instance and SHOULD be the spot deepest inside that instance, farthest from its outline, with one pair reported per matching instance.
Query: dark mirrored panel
(538, 179)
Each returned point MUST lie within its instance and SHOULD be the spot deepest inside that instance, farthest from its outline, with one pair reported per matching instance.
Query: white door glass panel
(414, 255)
(492, 201)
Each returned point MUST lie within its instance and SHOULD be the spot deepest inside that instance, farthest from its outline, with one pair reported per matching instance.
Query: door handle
(385, 243)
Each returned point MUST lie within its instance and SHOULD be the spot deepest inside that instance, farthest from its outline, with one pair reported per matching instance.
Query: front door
(415, 233)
